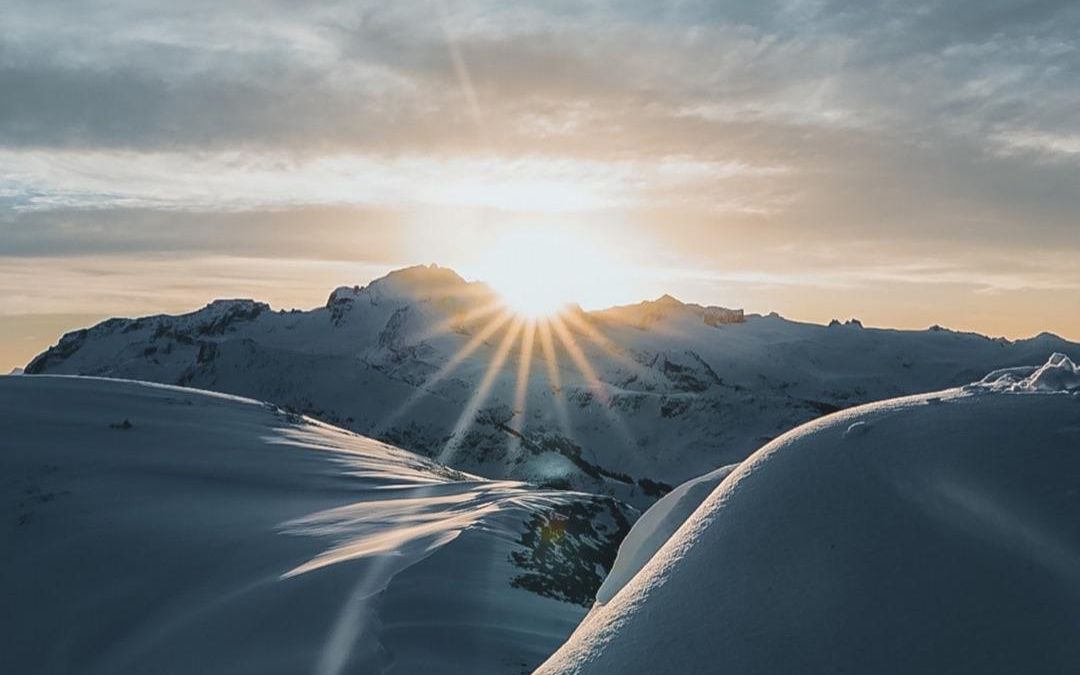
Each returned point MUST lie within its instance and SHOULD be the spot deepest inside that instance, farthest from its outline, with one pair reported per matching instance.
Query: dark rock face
(68, 345)
(207, 352)
(234, 311)
(343, 294)
(340, 304)
(720, 316)
(673, 407)
(567, 552)
(215, 320)
(656, 489)
(391, 338)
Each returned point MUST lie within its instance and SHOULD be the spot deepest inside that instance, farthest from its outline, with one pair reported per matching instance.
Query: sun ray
(461, 69)
(597, 337)
(468, 291)
(423, 390)
(591, 378)
(450, 323)
(578, 357)
(547, 344)
(521, 389)
(551, 360)
(471, 346)
(465, 420)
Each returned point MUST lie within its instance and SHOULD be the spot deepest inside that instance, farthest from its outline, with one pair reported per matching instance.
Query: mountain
(930, 534)
(625, 402)
(156, 529)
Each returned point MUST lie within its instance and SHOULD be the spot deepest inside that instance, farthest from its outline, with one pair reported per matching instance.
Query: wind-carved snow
(1058, 374)
(933, 533)
(155, 529)
(655, 393)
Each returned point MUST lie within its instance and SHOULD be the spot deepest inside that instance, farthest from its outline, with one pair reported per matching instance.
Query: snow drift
(154, 529)
(931, 534)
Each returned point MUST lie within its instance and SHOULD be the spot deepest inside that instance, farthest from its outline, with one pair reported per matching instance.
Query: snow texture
(941, 537)
(655, 527)
(155, 529)
(1056, 375)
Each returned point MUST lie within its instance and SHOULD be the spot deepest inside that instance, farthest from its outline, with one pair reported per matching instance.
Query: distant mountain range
(626, 402)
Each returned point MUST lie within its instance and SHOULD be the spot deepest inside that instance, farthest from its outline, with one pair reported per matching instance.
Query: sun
(539, 272)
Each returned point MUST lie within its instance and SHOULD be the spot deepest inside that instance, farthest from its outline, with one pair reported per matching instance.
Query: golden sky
(905, 163)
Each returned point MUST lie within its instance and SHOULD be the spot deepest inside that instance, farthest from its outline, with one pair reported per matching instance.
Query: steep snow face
(155, 529)
(655, 527)
(649, 396)
(932, 534)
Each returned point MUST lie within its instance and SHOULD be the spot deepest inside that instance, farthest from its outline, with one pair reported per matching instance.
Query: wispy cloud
(320, 130)
(1052, 144)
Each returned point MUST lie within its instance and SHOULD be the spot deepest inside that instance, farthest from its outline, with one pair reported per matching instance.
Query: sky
(908, 163)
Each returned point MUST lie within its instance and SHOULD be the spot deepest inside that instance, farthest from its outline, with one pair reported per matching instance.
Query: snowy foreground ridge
(937, 533)
(154, 529)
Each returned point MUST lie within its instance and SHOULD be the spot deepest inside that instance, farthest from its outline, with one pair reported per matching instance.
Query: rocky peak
(666, 300)
(343, 294)
(649, 312)
(419, 282)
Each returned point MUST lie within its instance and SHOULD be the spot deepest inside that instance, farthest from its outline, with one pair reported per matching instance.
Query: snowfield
(670, 390)
(155, 529)
(937, 533)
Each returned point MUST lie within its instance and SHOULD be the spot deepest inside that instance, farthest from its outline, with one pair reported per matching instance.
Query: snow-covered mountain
(156, 529)
(930, 534)
(625, 402)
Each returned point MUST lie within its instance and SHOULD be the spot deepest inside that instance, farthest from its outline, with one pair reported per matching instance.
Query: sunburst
(510, 331)
(519, 339)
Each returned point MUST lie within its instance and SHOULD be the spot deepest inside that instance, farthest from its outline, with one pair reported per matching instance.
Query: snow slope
(655, 527)
(932, 534)
(670, 390)
(156, 529)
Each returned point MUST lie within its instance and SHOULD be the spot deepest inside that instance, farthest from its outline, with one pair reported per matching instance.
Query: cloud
(1053, 145)
(331, 233)
(380, 78)
(121, 285)
(318, 130)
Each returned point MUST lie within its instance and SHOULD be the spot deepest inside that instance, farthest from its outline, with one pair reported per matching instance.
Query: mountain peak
(415, 282)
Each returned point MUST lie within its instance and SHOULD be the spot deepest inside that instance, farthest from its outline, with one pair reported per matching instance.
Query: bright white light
(538, 271)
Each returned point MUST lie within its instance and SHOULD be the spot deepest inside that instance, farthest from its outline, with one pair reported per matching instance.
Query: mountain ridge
(626, 401)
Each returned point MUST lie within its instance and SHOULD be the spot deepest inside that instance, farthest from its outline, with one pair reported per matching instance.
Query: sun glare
(537, 273)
